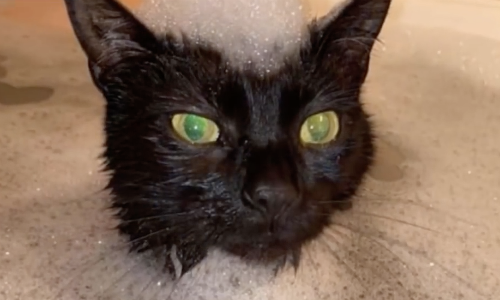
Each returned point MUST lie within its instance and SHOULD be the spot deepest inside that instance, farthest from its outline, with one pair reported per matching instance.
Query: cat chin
(278, 256)
(266, 251)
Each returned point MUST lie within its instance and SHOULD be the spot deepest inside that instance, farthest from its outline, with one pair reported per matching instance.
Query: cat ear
(107, 31)
(343, 39)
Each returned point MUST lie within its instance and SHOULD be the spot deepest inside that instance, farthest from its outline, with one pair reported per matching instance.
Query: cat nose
(270, 199)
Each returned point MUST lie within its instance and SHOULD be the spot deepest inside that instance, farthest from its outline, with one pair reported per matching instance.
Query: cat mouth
(268, 240)
(263, 250)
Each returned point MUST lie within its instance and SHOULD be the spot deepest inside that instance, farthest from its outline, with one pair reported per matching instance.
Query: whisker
(357, 39)
(155, 217)
(164, 230)
(387, 249)
(349, 269)
(120, 278)
(383, 236)
(148, 285)
(363, 213)
(372, 240)
(117, 249)
(384, 199)
(385, 268)
(73, 278)
(307, 251)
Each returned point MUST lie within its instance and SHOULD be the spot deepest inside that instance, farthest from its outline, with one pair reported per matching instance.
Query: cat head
(204, 154)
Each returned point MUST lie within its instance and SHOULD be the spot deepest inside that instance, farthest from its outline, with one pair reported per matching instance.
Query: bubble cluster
(258, 34)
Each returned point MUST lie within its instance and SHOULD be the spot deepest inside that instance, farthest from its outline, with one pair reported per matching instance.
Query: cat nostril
(247, 200)
(258, 203)
(262, 202)
(270, 200)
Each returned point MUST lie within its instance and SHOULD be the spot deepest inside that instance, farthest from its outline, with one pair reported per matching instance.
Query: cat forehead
(257, 33)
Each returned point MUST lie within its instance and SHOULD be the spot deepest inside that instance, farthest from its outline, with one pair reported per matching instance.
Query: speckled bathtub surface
(426, 225)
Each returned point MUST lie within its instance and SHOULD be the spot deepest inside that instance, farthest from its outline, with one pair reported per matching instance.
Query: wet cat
(206, 149)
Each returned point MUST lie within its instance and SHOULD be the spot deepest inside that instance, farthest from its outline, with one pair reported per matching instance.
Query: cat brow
(332, 97)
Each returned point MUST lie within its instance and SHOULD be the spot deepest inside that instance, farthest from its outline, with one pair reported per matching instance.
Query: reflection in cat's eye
(320, 128)
(195, 129)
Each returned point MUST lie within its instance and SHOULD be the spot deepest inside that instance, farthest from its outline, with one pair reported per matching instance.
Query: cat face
(202, 154)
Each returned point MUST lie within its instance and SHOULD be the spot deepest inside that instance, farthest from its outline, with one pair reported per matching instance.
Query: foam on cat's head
(260, 33)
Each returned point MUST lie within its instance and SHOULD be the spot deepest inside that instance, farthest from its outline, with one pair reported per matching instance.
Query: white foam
(260, 32)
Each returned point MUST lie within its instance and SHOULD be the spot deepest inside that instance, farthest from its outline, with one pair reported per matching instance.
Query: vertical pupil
(195, 127)
(318, 126)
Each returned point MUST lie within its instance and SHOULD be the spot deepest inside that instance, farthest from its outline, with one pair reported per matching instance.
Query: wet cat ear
(107, 31)
(343, 39)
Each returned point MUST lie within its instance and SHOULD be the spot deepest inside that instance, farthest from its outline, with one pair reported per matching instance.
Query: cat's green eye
(320, 128)
(195, 129)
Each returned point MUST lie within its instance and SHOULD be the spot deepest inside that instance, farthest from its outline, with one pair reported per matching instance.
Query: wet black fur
(167, 192)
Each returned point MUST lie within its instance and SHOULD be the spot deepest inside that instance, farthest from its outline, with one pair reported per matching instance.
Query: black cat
(204, 155)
